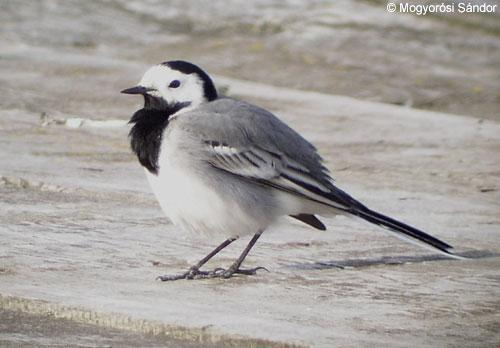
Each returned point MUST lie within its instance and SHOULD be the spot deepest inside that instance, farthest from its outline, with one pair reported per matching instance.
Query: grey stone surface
(448, 63)
(28, 330)
(81, 229)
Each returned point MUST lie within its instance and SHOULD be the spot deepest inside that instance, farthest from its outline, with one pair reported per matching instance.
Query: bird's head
(174, 85)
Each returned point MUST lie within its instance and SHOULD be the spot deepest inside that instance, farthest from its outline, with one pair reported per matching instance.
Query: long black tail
(404, 230)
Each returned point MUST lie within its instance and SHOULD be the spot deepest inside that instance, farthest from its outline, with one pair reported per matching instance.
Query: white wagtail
(221, 165)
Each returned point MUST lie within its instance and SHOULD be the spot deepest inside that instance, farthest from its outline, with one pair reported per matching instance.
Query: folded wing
(250, 142)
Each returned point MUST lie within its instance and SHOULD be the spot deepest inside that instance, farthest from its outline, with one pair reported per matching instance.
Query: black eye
(174, 84)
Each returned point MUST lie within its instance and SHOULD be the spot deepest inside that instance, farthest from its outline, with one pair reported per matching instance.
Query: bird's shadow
(388, 260)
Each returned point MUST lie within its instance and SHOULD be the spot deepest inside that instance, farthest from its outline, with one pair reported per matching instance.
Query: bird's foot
(228, 273)
(195, 273)
(192, 273)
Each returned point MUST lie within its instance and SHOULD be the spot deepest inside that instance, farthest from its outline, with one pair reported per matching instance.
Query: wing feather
(271, 169)
(248, 141)
(256, 145)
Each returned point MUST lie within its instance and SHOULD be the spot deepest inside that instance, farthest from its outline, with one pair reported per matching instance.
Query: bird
(223, 166)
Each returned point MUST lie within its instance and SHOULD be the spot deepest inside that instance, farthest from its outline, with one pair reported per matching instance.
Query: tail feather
(403, 230)
(310, 220)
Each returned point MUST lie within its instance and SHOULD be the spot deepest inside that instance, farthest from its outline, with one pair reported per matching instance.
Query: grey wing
(250, 142)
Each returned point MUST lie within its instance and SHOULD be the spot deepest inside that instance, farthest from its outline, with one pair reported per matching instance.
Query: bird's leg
(235, 267)
(195, 273)
(194, 270)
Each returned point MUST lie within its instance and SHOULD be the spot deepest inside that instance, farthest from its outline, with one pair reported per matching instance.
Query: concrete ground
(82, 233)
(28, 330)
(448, 63)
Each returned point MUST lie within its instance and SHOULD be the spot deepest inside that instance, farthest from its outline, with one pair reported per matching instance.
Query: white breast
(190, 202)
(182, 198)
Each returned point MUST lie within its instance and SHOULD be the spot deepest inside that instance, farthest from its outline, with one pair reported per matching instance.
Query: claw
(218, 272)
(249, 271)
(166, 278)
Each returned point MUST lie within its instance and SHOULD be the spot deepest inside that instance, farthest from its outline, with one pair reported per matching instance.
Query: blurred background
(51, 50)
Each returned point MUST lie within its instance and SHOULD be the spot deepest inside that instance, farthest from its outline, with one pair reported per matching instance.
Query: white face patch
(160, 77)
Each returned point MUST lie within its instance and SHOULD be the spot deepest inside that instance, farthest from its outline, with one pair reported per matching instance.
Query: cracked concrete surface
(80, 229)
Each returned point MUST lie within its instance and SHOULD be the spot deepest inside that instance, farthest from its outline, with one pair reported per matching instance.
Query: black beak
(137, 90)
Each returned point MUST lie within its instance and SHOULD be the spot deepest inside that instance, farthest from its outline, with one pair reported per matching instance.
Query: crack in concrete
(47, 120)
(21, 183)
(204, 335)
(389, 260)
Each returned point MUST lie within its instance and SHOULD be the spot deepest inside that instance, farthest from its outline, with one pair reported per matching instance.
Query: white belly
(194, 205)
(195, 196)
